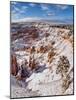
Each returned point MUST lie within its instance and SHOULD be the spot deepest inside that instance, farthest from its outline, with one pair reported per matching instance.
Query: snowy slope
(46, 81)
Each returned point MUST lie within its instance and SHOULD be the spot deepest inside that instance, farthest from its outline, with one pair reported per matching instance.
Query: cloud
(13, 2)
(18, 12)
(47, 11)
(32, 4)
(51, 14)
(23, 9)
(16, 9)
(63, 7)
(29, 19)
(44, 7)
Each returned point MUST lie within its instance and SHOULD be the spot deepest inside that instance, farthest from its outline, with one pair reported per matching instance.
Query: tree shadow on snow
(40, 69)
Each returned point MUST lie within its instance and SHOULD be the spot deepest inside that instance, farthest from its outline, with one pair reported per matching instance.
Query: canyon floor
(48, 51)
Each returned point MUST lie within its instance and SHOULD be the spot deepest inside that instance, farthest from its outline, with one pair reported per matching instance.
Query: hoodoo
(14, 65)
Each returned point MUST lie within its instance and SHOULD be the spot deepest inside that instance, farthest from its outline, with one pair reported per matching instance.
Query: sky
(38, 11)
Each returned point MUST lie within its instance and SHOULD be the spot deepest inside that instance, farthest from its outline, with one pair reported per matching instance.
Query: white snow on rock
(48, 82)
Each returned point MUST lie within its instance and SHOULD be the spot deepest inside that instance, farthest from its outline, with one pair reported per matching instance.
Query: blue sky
(23, 10)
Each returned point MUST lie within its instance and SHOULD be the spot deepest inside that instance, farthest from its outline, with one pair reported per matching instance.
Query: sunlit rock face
(44, 55)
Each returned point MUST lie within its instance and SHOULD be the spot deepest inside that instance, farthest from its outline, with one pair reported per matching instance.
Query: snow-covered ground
(45, 81)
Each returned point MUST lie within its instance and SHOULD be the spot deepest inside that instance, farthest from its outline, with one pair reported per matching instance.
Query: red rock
(14, 65)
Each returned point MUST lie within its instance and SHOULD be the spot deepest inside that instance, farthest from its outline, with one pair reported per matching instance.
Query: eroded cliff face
(45, 60)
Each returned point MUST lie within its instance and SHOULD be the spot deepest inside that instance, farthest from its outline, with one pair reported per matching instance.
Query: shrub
(47, 34)
(53, 42)
(66, 82)
(32, 63)
(41, 49)
(51, 54)
(63, 65)
(34, 35)
(32, 49)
